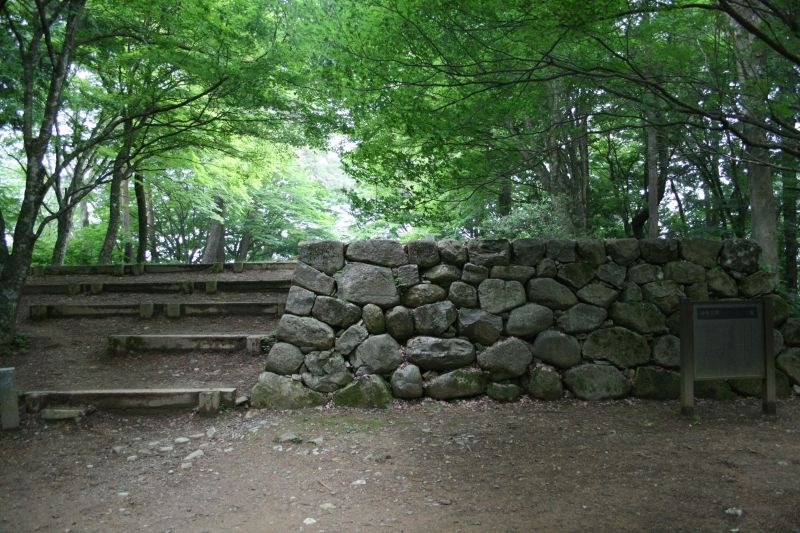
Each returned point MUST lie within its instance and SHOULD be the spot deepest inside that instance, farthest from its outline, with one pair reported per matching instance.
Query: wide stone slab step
(139, 269)
(123, 344)
(113, 399)
(278, 284)
(149, 310)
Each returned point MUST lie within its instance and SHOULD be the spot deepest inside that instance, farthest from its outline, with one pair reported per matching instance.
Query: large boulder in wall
(325, 256)
(381, 252)
(369, 284)
(306, 333)
(280, 392)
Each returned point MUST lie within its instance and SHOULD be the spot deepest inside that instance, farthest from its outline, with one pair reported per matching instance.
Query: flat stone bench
(138, 269)
(279, 284)
(149, 310)
(123, 344)
(112, 399)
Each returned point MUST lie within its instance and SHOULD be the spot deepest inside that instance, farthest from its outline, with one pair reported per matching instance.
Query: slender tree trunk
(791, 194)
(125, 205)
(652, 177)
(215, 245)
(151, 228)
(119, 174)
(113, 220)
(141, 219)
(244, 247)
(84, 213)
(504, 197)
(64, 224)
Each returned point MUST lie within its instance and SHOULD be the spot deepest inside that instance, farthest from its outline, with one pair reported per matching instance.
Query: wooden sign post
(727, 340)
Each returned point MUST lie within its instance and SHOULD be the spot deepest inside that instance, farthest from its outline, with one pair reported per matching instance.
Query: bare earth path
(426, 466)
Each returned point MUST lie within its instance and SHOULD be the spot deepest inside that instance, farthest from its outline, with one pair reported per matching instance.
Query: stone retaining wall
(594, 319)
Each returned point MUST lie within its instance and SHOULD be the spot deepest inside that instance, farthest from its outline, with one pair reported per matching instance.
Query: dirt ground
(419, 466)
(423, 466)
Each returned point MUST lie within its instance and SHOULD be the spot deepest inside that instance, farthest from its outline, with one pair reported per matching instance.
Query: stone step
(123, 344)
(113, 399)
(278, 284)
(148, 310)
(138, 269)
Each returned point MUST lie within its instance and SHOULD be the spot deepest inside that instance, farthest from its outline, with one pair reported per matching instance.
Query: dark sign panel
(726, 340)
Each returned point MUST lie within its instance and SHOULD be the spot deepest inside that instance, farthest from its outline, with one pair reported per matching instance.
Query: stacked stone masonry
(592, 319)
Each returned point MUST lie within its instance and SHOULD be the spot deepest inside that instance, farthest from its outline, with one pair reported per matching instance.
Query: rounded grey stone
(529, 320)
(372, 315)
(592, 251)
(721, 284)
(497, 296)
(462, 294)
(452, 251)
(597, 294)
(544, 383)
(659, 251)
(789, 362)
(350, 339)
(667, 351)
(479, 326)
(327, 371)
(306, 333)
(284, 358)
(424, 253)
(434, 319)
(613, 274)
(367, 392)
(641, 317)
(442, 273)
(335, 312)
(740, 255)
(576, 275)
(557, 348)
(666, 295)
(527, 252)
(434, 353)
(488, 253)
(379, 354)
(381, 252)
(504, 392)
(645, 273)
(407, 382)
(506, 359)
(460, 383)
(684, 272)
(561, 250)
(623, 251)
(546, 268)
(325, 256)
(654, 383)
(406, 276)
(581, 318)
(513, 272)
(618, 345)
(400, 323)
(758, 284)
(272, 391)
(596, 382)
(368, 284)
(550, 293)
(704, 252)
(299, 301)
(474, 274)
(313, 280)
(422, 294)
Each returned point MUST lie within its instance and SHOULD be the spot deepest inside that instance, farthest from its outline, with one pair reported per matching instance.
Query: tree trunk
(215, 245)
(84, 213)
(63, 233)
(652, 176)
(119, 174)
(125, 206)
(504, 197)
(244, 247)
(151, 227)
(791, 194)
(141, 219)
